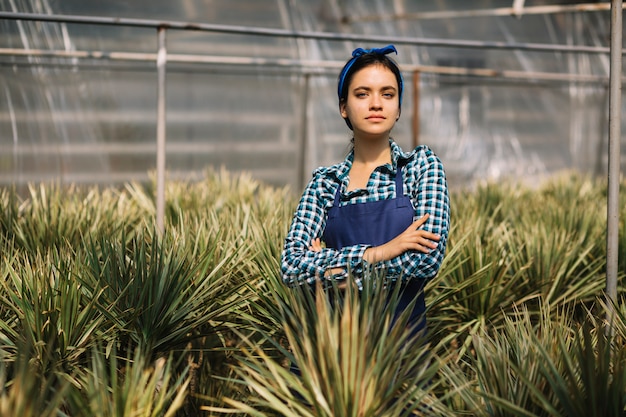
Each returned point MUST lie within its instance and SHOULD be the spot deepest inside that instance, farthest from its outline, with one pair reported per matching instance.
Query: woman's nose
(376, 102)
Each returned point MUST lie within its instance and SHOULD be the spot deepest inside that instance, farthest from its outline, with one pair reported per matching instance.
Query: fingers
(316, 245)
(424, 244)
(429, 244)
(423, 249)
(419, 239)
(427, 241)
(429, 235)
(419, 234)
(417, 223)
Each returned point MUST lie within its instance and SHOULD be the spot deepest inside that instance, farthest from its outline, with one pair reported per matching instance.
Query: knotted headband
(360, 52)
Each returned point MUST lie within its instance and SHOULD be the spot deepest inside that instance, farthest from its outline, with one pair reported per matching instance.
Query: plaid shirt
(424, 182)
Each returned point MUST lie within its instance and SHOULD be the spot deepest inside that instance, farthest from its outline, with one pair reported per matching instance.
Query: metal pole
(416, 108)
(304, 143)
(615, 107)
(296, 34)
(160, 160)
(313, 67)
(517, 10)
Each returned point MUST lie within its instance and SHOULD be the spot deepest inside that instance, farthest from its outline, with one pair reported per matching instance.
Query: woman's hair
(363, 58)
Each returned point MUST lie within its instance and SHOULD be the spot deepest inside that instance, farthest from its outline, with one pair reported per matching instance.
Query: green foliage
(102, 315)
(154, 296)
(348, 356)
(52, 216)
(49, 311)
(128, 386)
(26, 389)
(8, 213)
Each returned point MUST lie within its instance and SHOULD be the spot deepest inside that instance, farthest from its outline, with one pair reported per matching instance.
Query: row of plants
(100, 314)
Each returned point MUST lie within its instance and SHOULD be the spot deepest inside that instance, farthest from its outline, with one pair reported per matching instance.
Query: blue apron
(375, 223)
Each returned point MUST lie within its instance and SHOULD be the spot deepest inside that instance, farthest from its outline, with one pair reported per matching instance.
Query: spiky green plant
(616, 315)
(563, 245)
(553, 366)
(9, 208)
(509, 364)
(9, 315)
(591, 379)
(128, 386)
(352, 359)
(28, 389)
(479, 282)
(54, 216)
(254, 220)
(511, 249)
(50, 311)
(154, 296)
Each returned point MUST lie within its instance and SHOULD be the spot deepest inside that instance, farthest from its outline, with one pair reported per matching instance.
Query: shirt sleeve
(301, 265)
(427, 186)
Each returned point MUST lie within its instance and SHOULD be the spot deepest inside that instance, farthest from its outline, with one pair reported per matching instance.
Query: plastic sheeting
(93, 120)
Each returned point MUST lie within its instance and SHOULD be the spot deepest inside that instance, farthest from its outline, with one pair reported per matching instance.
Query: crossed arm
(413, 238)
(415, 253)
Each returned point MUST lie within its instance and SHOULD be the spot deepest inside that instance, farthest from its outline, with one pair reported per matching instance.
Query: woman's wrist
(372, 254)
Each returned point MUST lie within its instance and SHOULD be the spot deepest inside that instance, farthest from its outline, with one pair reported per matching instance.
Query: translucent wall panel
(268, 105)
(239, 121)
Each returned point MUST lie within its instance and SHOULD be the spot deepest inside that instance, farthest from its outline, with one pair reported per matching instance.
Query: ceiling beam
(518, 9)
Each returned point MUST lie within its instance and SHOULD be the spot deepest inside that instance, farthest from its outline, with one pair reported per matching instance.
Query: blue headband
(360, 52)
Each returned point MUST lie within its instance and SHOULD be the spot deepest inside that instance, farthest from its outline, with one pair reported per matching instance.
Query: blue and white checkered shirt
(424, 182)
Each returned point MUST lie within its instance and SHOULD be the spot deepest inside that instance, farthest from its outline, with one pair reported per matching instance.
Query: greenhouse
(152, 154)
(497, 92)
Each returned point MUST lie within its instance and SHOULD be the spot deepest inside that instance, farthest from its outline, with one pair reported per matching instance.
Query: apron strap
(400, 201)
(337, 195)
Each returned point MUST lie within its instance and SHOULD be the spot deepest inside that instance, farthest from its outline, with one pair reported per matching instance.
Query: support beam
(295, 66)
(416, 109)
(160, 162)
(615, 107)
(295, 34)
(303, 172)
(516, 10)
(518, 7)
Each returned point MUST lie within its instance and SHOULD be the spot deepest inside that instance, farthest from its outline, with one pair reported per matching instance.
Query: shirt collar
(341, 170)
(398, 155)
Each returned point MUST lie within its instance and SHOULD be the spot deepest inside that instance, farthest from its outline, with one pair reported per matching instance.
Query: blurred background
(500, 90)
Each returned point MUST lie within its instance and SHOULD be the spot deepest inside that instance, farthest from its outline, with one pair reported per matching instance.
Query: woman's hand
(412, 238)
(316, 246)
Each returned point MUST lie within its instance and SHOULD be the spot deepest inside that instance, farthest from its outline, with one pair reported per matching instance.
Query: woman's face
(372, 105)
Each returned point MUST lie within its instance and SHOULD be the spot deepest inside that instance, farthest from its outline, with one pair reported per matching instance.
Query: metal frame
(295, 34)
(615, 109)
(311, 66)
(160, 163)
(517, 10)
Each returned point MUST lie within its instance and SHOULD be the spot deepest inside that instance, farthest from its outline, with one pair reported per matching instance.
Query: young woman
(380, 208)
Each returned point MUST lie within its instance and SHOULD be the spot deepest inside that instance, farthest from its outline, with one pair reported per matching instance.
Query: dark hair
(363, 59)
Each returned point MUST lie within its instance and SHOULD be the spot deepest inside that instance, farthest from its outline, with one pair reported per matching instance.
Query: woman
(380, 208)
